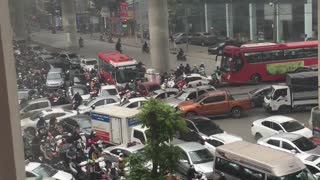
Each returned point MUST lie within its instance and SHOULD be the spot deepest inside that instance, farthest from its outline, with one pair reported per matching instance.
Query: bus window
(250, 174)
(238, 63)
(227, 167)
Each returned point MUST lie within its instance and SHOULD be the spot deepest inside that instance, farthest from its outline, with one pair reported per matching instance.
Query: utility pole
(186, 9)
(275, 20)
(69, 24)
(159, 35)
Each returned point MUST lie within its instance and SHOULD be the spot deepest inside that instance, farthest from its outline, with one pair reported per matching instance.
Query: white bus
(246, 161)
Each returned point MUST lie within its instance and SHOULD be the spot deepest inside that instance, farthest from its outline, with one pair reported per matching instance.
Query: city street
(240, 127)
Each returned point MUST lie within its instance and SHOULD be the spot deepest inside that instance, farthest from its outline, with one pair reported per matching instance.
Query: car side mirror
(202, 103)
(184, 161)
(293, 151)
(93, 107)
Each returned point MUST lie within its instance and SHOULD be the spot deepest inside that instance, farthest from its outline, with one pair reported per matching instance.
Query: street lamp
(274, 4)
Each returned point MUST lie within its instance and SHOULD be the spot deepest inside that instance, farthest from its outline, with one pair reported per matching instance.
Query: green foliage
(137, 163)
(162, 122)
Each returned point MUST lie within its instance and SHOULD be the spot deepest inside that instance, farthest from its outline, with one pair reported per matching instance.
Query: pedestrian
(80, 42)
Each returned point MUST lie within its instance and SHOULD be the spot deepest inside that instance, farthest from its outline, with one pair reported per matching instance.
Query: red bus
(117, 69)
(266, 61)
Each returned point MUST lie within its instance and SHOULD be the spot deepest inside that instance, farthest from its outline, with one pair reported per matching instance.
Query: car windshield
(304, 174)
(154, 87)
(91, 101)
(126, 75)
(208, 128)
(199, 98)
(84, 124)
(109, 92)
(81, 91)
(92, 62)
(54, 76)
(304, 144)
(72, 56)
(200, 156)
(45, 171)
(182, 96)
(36, 116)
(291, 126)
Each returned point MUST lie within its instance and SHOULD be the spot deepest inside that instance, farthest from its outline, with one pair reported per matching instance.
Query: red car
(145, 88)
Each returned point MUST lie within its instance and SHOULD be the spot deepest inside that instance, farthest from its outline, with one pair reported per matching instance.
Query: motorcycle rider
(145, 47)
(195, 69)
(180, 54)
(202, 70)
(80, 42)
(121, 164)
(187, 69)
(118, 45)
(191, 173)
(77, 100)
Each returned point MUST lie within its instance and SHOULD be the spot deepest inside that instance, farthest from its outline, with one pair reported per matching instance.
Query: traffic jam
(79, 115)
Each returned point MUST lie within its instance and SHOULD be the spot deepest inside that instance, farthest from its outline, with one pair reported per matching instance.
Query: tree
(162, 123)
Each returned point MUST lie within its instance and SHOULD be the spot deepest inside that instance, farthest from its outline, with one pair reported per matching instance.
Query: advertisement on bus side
(283, 68)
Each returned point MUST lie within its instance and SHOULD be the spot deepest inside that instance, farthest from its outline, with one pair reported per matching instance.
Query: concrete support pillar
(69, 24)
(19, 25)
(308, 18)
(229, 20)
(253, 21)
(206, 16)
(159, 35)
(11, 156)
(279, 23)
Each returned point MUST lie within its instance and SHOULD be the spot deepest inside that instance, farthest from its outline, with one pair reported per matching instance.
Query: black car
(305, 69)
(257, 95)
(218, 49)
(78, 122)
(199, 126)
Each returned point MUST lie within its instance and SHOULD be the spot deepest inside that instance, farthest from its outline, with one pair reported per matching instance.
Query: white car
(30, 124)
(88, 64)
(216, 140)
(291, 143)
(276, 124)
(134, 103)
(194, 80)
(312, 162)
(34, 169)
(96, 102)
(164, 93)
(109, 90)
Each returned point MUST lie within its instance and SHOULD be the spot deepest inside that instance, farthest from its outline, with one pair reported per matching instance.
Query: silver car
(164, 93)
(197, 155)
(55, 78)
(96, 102)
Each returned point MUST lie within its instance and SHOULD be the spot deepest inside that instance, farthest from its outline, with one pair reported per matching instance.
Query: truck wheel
(236, 112)
(191, 114)
(256, 78)
(284, 110)
(257, 136)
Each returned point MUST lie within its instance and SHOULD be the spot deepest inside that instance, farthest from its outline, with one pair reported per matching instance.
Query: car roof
(309, 159)
(198, 88)
(126, 147)
(216, 93)
(286, 136)
(89, 59)
(80, 117)
(116, 111)
(53, 110)
(137, 99)
(37, 100)
(105, 97)
(279, 119)
(190, 146)
(31, 166)
(166, 90)
(226, 138)
(108, 87)
(55, 70)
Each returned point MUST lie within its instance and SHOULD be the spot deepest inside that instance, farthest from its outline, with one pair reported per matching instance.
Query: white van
(243, 160)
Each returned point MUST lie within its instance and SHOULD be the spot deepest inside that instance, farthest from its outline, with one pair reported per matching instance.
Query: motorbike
(110, 40)
(145, 49)
(182, 58)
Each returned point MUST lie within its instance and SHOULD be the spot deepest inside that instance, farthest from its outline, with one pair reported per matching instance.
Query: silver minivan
(55, 78)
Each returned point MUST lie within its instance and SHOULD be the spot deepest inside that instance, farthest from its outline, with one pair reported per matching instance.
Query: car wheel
(284, 109)
(191, 114)
(257, 136)
(256, 78)
(236, 112)
(31, 131)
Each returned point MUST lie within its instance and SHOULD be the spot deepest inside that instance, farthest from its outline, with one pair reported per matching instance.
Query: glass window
(154, 88)
(31, 107)
(249, 174)
(291, 126)
(276, 127)
(293, 53)
(200, 156)
(253, 57)
(139, 135)
(192, 95)
(266, 124)
(170, 94)
(161, 96)
(274, 142)
(100, 103)
(312, 169)
(133, 105)
(227, 167)
(109, 101)
(201, 92)
(238, 63)
(214, 142)
(28, 174)
(287, 146)
(45, 171)
(214, 99)
(304, 144)
(311, 52)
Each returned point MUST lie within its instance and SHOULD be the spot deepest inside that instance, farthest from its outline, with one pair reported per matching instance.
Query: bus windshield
(126, 75)
(226, 62)
(300, 175)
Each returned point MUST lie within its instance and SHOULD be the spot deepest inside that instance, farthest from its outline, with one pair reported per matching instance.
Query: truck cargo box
(304, 81)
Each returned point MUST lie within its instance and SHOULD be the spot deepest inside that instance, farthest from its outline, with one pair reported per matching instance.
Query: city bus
(266, 61)
(117, 69)
(247, 161)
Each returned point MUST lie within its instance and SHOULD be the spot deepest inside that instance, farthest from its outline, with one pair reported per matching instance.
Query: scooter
(182, 58)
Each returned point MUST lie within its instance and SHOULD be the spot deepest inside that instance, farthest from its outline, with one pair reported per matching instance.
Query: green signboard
(283, 68)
